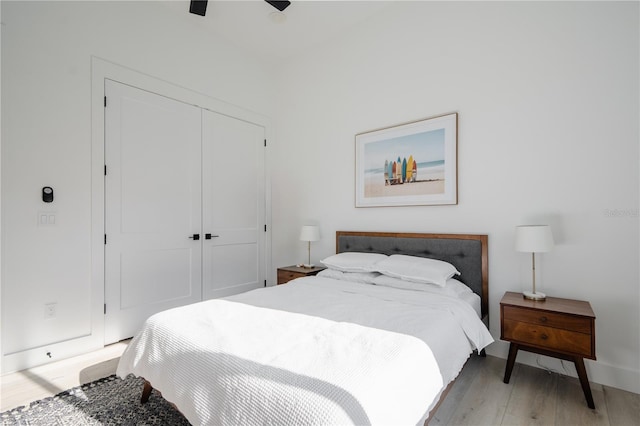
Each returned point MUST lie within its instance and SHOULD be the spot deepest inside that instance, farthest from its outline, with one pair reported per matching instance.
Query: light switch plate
(47, 218)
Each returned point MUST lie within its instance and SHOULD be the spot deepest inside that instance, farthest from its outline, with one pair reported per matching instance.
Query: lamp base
(534, 296)
(308, 265)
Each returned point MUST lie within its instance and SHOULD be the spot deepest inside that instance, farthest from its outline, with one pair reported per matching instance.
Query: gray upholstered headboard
(467, 252)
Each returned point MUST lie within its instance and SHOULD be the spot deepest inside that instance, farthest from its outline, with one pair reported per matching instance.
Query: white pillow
(453, 287)
(356, 277)
(353, 261)
(416, 269)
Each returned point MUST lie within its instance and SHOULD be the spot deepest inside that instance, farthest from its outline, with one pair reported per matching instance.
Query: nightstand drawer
(564, 341)
(286, 276)
(548, 319)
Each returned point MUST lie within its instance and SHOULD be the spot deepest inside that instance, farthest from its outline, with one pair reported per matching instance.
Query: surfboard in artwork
(386, 172)
(404, 170)
(394, 174)
(414, 172)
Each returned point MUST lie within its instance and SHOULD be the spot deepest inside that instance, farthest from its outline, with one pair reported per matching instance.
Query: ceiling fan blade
(280, 5)
(198, 7)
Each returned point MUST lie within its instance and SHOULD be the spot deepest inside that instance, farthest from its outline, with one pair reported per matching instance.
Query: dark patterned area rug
(108, 401)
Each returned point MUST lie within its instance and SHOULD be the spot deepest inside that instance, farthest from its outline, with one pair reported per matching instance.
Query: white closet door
(233, 204)
(153, 205)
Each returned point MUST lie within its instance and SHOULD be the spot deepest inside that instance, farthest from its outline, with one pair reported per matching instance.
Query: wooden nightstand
(561, 328)
(289, 273)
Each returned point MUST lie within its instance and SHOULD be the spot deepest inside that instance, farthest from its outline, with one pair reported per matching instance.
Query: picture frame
(412, 164)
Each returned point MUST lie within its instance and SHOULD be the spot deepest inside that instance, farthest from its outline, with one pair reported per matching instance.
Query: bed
(349, 346)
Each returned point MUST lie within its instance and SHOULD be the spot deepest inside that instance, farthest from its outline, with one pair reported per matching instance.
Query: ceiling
(250, 25)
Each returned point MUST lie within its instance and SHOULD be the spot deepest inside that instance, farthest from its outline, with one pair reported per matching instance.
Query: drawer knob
(543, 319)
(544, 336)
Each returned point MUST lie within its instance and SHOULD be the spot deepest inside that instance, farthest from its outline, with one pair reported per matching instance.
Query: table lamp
(534, 239)
(309, 233)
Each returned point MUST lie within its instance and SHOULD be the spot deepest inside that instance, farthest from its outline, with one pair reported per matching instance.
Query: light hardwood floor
(479, 397)
(532, 397)
(25, 386)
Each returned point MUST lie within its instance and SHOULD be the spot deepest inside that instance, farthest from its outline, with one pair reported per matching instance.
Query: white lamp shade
(534, 238)
(310, 233)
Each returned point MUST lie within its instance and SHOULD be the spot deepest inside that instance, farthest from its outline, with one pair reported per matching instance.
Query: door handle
(209, 236)
(195, 237)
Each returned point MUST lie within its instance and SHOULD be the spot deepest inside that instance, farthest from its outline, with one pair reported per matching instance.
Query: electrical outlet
(50, 310)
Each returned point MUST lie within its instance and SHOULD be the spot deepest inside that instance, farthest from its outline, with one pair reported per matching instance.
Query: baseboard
(49, 353)
(598, 372)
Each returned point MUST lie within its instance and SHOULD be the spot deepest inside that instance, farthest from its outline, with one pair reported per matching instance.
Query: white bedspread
(359, 354)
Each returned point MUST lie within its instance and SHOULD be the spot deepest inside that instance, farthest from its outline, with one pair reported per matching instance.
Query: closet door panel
(236, 266)
(152, 206)
(233, 199)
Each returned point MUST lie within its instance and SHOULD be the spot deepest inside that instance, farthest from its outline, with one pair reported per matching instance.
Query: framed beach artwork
(413, 164)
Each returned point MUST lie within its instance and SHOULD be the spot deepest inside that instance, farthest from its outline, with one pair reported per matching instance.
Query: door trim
(102, 70)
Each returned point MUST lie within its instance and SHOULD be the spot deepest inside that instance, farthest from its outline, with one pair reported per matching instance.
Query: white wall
(47, 50)
(547, 97)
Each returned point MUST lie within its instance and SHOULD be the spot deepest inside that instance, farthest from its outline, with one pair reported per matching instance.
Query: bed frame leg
(146, 392)
(483, 353)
